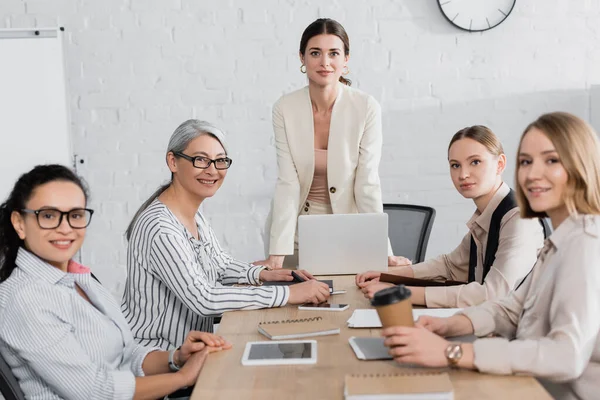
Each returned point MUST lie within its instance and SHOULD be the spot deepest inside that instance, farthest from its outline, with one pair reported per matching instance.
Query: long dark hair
(19, 196)
(330, 27)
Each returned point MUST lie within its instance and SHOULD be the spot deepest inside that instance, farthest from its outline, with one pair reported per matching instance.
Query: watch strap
(172, 366)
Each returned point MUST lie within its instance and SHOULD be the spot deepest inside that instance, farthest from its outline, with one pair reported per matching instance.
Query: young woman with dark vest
(500, 247)
(548, 327)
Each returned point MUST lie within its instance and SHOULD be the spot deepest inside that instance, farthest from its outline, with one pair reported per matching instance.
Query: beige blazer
(518, 246)
(354, 152)
(550, 325)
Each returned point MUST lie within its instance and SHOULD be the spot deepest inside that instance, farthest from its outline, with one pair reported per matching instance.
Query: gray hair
(190, 130)
(180, 139)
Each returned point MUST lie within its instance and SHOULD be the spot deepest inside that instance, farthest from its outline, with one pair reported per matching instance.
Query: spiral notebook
(297, 328)
(408, 386)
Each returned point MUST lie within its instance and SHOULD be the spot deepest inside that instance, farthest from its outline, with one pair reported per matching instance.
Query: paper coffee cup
(394, 306)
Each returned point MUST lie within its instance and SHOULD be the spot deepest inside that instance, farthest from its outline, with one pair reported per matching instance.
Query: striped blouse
(176, 283)
(58, 345)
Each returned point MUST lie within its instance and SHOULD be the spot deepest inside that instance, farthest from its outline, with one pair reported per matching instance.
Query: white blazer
(354, 152)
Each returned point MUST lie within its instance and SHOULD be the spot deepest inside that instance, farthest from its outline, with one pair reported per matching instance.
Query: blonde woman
(329, 139)
(476, 160)
(548, 327)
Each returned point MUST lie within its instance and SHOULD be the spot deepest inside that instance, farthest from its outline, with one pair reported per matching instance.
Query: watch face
(476, 15)
(454, 353)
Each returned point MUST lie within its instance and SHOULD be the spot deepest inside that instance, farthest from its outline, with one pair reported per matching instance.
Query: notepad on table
(297, 328)
(409, 386)
(368, 318)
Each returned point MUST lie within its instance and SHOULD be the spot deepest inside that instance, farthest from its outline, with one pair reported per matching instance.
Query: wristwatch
(172, 366)
(454, 353)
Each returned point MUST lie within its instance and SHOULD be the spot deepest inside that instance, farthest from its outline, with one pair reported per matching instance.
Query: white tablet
(282, 352)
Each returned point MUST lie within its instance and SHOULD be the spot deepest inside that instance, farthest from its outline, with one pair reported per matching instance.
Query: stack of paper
(364, 319)
(368, 318)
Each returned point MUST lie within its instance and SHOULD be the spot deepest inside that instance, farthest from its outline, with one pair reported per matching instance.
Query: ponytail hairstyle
(180, 139)
(481, 134)
(17, 200)
(330, 27)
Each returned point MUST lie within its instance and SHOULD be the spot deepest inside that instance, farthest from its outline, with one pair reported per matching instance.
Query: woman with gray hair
(178, 276)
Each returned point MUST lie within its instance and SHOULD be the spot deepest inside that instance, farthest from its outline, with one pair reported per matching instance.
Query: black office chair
(9, 386)
(409, 227)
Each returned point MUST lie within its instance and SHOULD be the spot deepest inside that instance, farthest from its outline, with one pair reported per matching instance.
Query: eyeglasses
(51, 218)
(204, 162)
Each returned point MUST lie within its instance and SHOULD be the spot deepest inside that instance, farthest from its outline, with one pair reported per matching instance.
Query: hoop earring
(346, 70)
(303, 68)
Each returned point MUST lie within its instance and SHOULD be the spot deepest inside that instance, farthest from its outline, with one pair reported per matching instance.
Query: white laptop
(343, 244)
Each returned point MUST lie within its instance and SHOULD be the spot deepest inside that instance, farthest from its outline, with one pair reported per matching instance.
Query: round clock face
(476, 15)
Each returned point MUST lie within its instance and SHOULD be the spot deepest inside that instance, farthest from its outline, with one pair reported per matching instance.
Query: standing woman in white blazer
(328, 138)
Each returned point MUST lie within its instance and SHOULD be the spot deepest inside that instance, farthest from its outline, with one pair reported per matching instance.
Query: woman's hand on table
(283, 275)
(416, 345)
(373, 287)
(365, 277)
(272, 262)
(311, 291)
(398, 261)
(197, 341)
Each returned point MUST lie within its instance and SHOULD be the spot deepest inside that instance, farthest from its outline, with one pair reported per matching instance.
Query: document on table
(368, 318)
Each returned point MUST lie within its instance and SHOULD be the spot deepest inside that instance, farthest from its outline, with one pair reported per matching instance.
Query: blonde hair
(578, 147)
(481, 134)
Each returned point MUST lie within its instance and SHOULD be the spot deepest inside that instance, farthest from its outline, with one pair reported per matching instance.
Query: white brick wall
(138, 68)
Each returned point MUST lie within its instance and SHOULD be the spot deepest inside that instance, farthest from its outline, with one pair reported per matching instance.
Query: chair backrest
(409, 227)
(9, 386)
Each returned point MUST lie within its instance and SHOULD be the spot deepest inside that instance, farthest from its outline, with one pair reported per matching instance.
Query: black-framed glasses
(51, 218)
(204, 162)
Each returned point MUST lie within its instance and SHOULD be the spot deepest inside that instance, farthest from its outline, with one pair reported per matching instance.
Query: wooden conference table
(224, 377)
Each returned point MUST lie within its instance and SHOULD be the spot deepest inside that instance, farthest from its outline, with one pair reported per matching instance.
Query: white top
(550, 325)
(176, 283)
(58, 345)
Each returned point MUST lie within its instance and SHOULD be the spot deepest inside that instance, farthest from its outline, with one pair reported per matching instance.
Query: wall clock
(476, 15)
